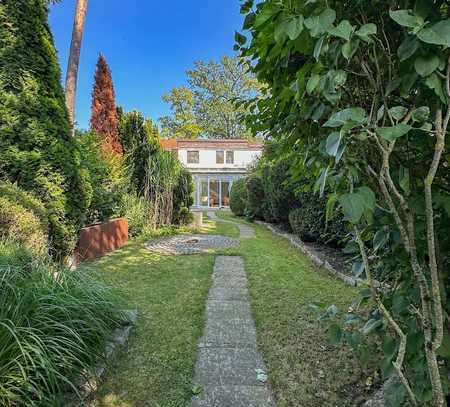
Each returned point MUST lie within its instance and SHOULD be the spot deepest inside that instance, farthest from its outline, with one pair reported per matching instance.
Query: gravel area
(190, 244)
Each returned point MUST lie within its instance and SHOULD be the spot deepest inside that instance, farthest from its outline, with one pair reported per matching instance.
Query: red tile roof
(212, 144)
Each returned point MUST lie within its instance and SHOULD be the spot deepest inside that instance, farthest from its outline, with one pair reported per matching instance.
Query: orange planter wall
(97, 240)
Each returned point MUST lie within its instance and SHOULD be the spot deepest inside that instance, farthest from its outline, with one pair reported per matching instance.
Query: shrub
(51, 329)
(238, 197)
(138, 211)
(22, 225)
(309, 222)
(183, 198)
(36, 149)
(255, 197)
(106, 175)
(280, 197)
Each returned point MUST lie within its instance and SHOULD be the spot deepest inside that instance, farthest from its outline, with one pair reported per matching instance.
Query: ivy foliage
(36, 150)
(360, 91)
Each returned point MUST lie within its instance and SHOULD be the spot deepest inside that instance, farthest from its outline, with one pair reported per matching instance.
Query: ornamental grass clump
(54, 324)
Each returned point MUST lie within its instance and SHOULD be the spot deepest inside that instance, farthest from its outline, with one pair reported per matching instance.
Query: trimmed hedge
(238, 197)
(309, 222)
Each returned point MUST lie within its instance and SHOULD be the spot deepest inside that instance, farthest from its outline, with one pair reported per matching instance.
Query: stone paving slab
(246, 232)
(234, 396)
(229, 367)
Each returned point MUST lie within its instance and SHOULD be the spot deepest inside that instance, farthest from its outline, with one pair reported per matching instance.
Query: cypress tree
(36, 150)
(104, 119)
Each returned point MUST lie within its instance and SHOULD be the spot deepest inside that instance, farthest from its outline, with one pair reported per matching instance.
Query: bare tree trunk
(74, 59)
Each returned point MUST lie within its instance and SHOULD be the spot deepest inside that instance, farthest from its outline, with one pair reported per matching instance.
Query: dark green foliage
(36, 149)
(106, 175)
(309, 222)
(183, 198)
(255, 197)
(279, 191)
(140, 140)
(238, 197)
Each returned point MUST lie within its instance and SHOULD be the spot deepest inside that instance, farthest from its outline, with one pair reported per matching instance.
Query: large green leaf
(405, 18)
(313, 81)
(398, 112)
(353, 114)
(394, 132)
(333, 143)
(291, 28)
(371, 325)
(437, 34)
(407, 48)
(426, 65)
(356, 204)
(335, 334)
(318, 25)
(344, 30)
(421, 114)
(264, 15)
(366, 30)
(435, 83)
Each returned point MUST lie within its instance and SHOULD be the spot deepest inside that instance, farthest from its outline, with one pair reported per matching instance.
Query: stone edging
(297, 242)
(89, 381)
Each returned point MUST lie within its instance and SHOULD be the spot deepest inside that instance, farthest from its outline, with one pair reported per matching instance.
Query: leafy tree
(183, 122)
(36, 150)
(213, 104)
(360, 89)
(104, 119)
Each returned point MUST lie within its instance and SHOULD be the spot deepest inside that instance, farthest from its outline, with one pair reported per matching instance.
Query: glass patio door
(225, 187)
(214, 193)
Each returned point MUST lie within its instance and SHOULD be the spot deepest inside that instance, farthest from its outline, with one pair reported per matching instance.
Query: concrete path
(230, 371)
(247, 232)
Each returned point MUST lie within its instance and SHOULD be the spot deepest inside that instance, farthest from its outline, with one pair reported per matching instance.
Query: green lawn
(304, 369)
(170, 293)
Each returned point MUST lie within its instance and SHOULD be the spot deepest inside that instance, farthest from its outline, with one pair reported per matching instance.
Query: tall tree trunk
(74, 59)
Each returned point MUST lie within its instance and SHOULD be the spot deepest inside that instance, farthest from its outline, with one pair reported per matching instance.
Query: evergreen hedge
(36, 150)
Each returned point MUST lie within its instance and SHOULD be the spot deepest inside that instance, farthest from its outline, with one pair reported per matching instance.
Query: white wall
(207, 158)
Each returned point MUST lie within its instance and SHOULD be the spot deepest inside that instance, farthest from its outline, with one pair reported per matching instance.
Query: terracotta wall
(97, 240)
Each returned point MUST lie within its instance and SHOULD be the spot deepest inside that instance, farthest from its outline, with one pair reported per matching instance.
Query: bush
(52, 329)
(138, 211)
(22, 225)
(238, 197)
(255, 197)
(36, 148)
(280, 197)
(309, 222)
(182, 198)
(106, 175)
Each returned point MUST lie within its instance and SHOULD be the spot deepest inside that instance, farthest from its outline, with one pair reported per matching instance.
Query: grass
(304, 369)
(170, 294)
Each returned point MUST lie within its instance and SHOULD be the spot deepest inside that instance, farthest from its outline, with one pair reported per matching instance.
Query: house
(214, 165)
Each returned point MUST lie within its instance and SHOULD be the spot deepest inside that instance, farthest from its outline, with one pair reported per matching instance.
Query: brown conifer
(104, 120)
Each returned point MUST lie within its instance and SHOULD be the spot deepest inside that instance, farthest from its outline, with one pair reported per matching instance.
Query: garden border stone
(297, 242)
(89, 381)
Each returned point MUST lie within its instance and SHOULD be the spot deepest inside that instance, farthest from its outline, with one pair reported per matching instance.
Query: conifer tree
(36, 150)
(104, 119)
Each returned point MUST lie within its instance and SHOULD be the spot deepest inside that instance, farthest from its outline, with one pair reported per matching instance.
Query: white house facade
(215, 165)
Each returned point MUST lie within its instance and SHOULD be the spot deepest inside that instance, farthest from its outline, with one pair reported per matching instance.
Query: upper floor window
(193, 157)
(220, 157)
(230, 157)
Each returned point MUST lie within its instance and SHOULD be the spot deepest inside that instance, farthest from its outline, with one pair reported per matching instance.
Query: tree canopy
(358, 96)
(212, 104)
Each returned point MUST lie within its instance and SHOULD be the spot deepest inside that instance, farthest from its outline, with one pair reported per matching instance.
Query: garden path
(247, 232)
(230, 370)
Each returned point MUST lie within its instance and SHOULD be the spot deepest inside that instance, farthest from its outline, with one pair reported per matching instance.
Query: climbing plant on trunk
(361, 89)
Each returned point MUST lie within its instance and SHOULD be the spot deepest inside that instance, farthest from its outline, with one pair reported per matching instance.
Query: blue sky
(149, 45)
